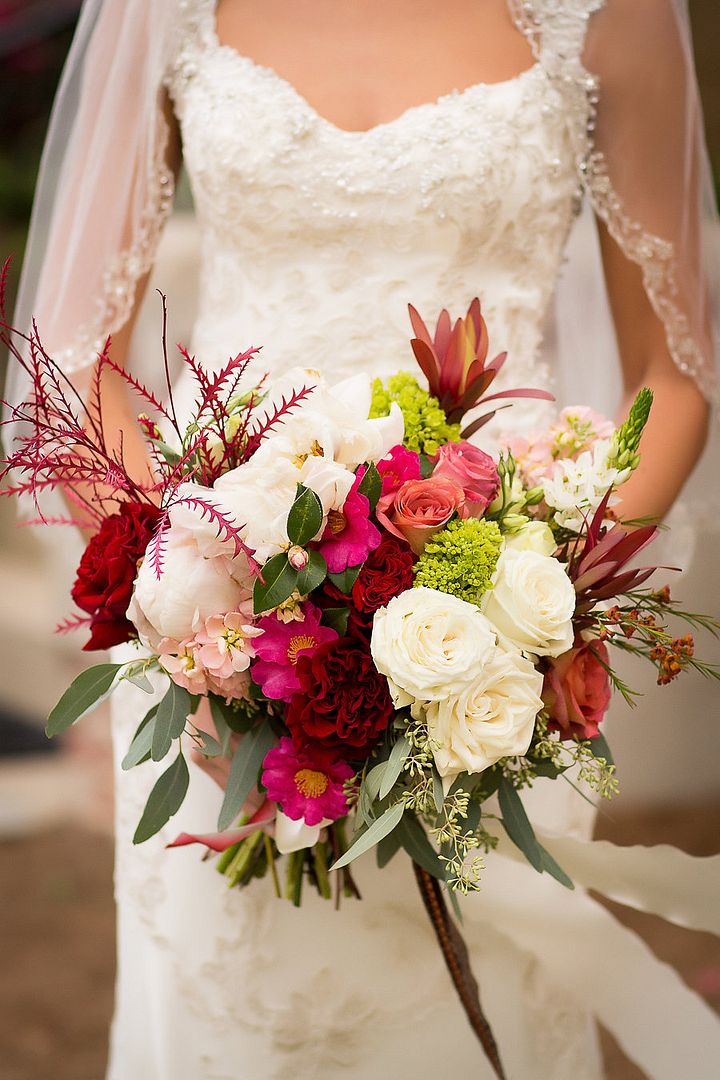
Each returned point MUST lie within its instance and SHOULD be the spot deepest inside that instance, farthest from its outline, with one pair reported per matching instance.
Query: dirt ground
(58, 950)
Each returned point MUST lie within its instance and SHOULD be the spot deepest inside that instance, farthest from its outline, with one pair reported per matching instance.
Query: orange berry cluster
(672, 658)
(629, 620)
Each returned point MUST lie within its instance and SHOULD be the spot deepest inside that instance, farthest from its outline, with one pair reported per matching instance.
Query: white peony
(259, 500)
(493, 718)
(531, 603)
(576, 487)
(191, 587)
(429, 645)
(535, 536)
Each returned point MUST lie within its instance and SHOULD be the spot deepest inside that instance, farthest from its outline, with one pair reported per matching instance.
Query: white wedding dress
(314, 239)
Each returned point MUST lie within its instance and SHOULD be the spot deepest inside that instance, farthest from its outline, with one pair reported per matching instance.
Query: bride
(346, 158)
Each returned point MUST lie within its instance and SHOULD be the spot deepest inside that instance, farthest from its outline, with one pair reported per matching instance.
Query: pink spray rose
(420, 507)
(577, 690)
(473, 470)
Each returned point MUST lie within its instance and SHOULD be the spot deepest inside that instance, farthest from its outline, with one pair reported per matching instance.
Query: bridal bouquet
(390, 630)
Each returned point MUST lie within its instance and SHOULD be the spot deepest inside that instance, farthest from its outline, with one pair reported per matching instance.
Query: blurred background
(57, 922)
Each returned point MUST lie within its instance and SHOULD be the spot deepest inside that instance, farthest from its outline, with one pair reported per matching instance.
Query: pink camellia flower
(349, 535)
(279, 647)
(306, 781)
(577, 690)
(397, 467)
(473, 470)
(421, 507)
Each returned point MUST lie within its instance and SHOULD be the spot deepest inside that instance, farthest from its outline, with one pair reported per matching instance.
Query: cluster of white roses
(470, 672)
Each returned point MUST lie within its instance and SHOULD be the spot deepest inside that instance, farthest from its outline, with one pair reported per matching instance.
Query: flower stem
(273, 868)
(293, 876)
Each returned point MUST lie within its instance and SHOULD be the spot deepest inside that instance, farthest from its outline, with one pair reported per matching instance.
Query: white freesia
(493, 718)
(534, 536)
(293, 835)
(191, 587)
(576, 487)
(429, 645)
(531, 603)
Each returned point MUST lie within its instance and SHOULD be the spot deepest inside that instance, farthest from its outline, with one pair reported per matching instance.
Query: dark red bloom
(387, 572)
(107, 571)
(344, 701)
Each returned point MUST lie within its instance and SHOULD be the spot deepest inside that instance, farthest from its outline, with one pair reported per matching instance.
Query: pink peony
(473, 470)
(306, 781)
(577, 690)
(280, 646)
(420, 507)
(349, 535)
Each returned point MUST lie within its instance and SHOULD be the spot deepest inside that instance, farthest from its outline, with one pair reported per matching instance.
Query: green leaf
(170, 720)
(244, 770)
(210, 747)
(549, 768)
(455, 905)
(395, 762)
(141, 681)
(218, 710)
(305, 517)
(337, 618)
(552, 868)
(600, 748)
(516, 824)
(164, 800)
(371, 485)
(88, 690)
(415, 841)
(345, 580)
(279, 580)
(139, 749)
(387, 849)
(426, 466)
(438, 794)
(313, 574)
(372, 836)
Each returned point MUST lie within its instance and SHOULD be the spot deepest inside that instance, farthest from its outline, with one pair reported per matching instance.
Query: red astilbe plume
(597, 566)
(454, 363)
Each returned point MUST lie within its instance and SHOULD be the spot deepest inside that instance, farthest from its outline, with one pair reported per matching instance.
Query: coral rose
(419, 508)
(577, 690)
(107, 571)
(473, 470)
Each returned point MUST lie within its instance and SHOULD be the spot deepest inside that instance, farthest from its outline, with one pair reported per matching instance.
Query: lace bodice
(315, 238)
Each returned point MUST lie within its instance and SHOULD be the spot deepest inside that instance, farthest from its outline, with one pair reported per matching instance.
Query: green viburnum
(461, 559)
(426, 426)
(626, 440)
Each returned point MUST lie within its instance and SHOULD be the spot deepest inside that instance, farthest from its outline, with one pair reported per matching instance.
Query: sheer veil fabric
(639, 163)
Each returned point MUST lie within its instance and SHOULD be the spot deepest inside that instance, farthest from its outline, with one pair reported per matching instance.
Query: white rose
(577, 487)
(190, 587)
(429, 645)
(531, 603)
(492, 719)
(535, 536)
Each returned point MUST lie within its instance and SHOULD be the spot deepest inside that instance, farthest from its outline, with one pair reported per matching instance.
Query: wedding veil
(626, 73)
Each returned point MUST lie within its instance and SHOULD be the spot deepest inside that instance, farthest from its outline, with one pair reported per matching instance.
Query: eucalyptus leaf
(164, 800)
(139, 749)
(374, 779)
(372, 836)
(210, 747)
(279, 580)
(600, 748)
(415, 841)
(455, 905)
(337, 618)
(371, 485)
(218, 710)
(438, 794)
(394, 766)
(345, 580)
(83, 694)
(312, 575)
(244, 770)
(387, 849)
(170, 719)
(552, 868)
(305, 517)
(517, 826)
(141, 681)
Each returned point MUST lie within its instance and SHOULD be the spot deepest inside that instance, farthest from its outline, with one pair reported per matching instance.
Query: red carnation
(387, 572)
(344, 701)
(107, 572)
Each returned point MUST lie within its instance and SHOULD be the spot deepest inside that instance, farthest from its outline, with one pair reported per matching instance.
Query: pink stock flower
(473, 470)
(577, 690)
(420, 507)
(279, 647)
(306, 781)
(533, 456)
(349, 535)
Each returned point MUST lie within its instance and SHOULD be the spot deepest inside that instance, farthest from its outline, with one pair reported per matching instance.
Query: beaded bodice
(315, 238)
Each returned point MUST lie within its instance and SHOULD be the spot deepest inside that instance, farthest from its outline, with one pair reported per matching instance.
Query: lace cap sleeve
(626, 70)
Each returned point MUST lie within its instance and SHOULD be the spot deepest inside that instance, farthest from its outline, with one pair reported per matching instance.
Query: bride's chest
(490, 158)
